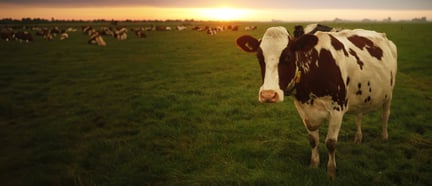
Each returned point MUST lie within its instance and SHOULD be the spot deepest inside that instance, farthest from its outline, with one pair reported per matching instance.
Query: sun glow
(223, 14)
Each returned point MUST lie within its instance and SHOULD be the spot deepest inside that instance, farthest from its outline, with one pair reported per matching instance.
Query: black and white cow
(121, 33)
(64, 35)
(96, 38)
(249, 28)
(328, 74)
(87, 30)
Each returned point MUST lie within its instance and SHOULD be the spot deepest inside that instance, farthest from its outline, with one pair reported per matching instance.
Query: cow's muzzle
(269, 96)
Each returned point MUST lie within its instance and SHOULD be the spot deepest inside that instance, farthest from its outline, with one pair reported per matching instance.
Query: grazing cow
(212, 31)
(96, 38)
(64, 35)
(47, 34)
(70, 29)
(140, 33)
(181, 28)
(249, 28)
(163, 28)
(106, 31)
(121, 33)
(328, 74)
(87, 30)
(7, 34)
(235, 28)
(54, 31)
(24, 36)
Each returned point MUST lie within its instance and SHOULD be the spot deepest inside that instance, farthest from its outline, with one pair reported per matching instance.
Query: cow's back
(367, 61)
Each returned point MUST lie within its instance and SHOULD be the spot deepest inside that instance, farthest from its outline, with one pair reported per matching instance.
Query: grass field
(181, 108)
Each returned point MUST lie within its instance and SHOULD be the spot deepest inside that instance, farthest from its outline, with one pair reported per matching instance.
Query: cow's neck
(290, 90)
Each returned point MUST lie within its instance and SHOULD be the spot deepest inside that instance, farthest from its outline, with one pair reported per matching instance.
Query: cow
(328, 74)
(140, 34)
(121, 33)
(24, 36)
(7, 34)
(180, 27)
(212, 31)
(106, 31)
(163, 28)
(54, 31)
(71, 29)
(87, 30)
(47, 34)
(249, 28)
(64, 35)
(96, 38)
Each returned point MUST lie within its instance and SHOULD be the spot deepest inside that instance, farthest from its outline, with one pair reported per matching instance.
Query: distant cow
(46, 33)
(212, 31)
(235, 28)
(70, 29)
(121, 33)
(54, 31)
(328, 74)
(7, 35)
(106, 31)
(64, 35)
(87, 30)
(163, 28)
(181, 28)
(96, 38)
(140, 33)
(24, 36)
(249, 28)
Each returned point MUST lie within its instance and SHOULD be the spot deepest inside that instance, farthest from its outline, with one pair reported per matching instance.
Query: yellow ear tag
(297, 77)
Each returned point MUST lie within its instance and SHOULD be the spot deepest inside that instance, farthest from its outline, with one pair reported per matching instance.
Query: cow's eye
(285, 56)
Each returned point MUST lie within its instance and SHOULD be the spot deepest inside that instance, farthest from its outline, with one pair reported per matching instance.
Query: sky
(222, 10)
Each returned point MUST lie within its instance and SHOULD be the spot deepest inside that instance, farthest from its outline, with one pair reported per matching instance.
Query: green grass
(180, 108)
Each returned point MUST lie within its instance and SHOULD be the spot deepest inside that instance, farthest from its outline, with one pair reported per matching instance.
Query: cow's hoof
(357, 140)
(384, 136)
(331, 171)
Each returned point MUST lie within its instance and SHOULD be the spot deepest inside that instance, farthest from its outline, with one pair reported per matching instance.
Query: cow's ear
(304, 43)
(248, 43)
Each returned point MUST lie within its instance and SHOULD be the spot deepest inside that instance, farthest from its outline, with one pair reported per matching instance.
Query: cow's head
(276, 55)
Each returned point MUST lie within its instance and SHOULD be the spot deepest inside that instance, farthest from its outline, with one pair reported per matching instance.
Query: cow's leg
(385, 117)
(314, 143)
(311, 124)
(358, 135)
(335, 122)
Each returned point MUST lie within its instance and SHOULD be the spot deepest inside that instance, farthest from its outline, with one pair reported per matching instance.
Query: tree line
(28, 20)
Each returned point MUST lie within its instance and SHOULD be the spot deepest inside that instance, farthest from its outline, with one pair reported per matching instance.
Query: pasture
(181, 108)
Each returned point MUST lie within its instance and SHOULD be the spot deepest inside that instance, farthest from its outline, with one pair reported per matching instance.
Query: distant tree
(422, 19)
(387, 20)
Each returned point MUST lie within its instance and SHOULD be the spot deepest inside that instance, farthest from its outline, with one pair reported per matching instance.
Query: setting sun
(223, 14)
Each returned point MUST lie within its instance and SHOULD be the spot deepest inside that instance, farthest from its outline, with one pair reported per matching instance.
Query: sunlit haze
(238, 11)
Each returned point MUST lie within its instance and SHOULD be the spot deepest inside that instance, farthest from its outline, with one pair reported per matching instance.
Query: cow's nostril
(269, 96)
